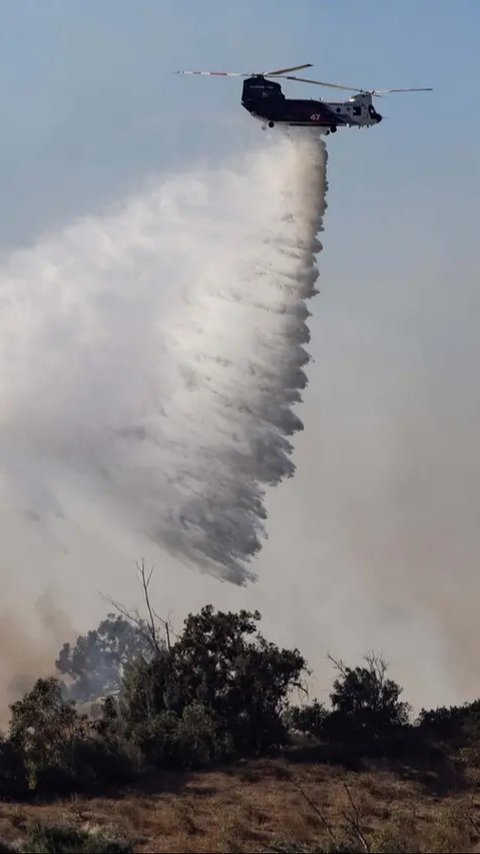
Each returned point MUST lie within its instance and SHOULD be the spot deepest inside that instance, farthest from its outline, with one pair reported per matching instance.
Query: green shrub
(366, 705)
(292, 846)
(42, 722)
(198, 739)
(456, 725)
(62, 751)
(84, 765)
(191, 740)
(51, 778)
(13, 773)
(156, 738)
(308, 719)
(95, 762)
(64, 839)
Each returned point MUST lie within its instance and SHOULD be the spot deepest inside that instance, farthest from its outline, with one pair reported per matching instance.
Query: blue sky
(90, 105)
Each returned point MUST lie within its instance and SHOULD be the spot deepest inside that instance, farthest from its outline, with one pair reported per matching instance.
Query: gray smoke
(31, 634)
(152, 358)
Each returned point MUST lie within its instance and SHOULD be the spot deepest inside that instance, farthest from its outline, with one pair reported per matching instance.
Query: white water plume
(151, 358)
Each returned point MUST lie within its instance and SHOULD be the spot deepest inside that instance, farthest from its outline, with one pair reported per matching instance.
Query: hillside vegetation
(207, 741)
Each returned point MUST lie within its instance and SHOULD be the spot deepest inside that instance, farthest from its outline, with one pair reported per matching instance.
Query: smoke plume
(31, 633)
(152, 358)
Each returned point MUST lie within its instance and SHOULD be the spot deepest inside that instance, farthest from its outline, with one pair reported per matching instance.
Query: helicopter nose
(378, 118)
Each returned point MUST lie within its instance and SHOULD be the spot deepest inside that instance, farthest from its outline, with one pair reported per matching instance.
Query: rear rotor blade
(284, 70)
(388, 91)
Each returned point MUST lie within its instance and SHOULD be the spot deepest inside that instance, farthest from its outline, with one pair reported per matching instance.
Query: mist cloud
(151, 358)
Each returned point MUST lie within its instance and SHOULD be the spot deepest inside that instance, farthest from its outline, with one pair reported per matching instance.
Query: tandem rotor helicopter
(264, 99)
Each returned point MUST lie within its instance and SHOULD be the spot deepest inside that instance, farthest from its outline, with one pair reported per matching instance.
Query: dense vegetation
(219, 692)
(128, 701)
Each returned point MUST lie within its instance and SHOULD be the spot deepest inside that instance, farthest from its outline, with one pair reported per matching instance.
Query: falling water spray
(152, 358)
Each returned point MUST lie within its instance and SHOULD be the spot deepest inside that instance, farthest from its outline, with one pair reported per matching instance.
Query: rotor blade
(388, 91)
(284, 70)
(215, 73)
(320, 83)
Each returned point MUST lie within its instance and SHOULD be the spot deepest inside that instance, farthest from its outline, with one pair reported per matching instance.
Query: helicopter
(264, 99)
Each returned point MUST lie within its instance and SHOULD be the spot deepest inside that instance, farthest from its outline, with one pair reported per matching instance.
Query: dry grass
(262, 806)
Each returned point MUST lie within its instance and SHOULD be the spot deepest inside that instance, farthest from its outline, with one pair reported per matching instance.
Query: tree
(42, 722)
(308, 719)
(41, 726)
(95, 664)
(366, 704)
(62, 750)
(222, 666)
(457, 725)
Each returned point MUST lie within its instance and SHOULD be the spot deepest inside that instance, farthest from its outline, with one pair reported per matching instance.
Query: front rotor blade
(215, 73)
(284, 70)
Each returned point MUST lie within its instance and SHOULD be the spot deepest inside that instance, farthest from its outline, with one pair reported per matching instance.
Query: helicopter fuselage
(264, 99)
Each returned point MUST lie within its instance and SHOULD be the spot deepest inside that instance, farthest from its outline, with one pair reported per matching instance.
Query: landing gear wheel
(333, 129)
(271, 124)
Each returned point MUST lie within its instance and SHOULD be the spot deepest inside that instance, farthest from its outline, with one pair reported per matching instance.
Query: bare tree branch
(377, 664)
(133, 616)
(338, 664)
(316, 811)
(353, 820)
(145, 585)
(168, 628)
(148, 627)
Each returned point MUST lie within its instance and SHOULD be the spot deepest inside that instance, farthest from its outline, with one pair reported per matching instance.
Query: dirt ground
(271, 805)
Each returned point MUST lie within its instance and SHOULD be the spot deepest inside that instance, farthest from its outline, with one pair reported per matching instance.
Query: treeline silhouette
(130, 698)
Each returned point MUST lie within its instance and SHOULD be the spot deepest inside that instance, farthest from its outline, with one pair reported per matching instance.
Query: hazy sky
(385, 500)
(90, 105)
